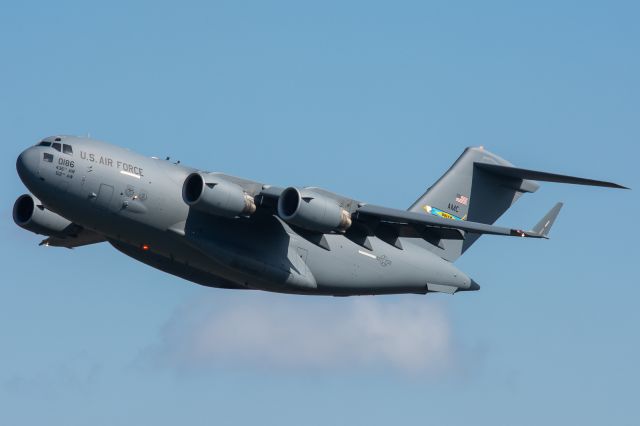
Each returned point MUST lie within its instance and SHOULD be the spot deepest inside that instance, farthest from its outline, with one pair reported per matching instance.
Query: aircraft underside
(224, 231)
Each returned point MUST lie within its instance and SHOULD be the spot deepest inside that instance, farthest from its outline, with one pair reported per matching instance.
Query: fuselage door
(105, 194)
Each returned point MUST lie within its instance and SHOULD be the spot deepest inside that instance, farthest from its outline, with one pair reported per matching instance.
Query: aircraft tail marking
(479, 187)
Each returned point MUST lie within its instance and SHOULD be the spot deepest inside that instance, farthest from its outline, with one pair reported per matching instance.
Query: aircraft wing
(406, 222)
(372, 213)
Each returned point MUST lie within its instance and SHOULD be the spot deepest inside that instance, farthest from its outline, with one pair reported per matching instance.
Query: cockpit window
(67, 149)
(44, 143)
(56, 146)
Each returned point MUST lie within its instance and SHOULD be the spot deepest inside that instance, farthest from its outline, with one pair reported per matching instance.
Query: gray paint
(107, 193)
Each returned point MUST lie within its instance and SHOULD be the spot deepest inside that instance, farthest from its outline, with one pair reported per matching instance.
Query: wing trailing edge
(386, 214)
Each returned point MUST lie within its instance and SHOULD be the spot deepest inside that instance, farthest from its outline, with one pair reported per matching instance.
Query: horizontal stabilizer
(543, 227)
(515, 172)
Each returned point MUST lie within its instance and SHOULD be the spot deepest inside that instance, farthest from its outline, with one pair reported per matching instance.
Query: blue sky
(369, 99)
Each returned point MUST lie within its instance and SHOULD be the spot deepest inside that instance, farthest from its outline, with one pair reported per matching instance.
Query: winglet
(543, 227)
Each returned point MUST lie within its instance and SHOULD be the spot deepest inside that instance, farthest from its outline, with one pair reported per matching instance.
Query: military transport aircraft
(224, 231)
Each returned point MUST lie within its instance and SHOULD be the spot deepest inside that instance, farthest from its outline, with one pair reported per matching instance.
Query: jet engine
(312, 211)
(30, 214)
(211, 194)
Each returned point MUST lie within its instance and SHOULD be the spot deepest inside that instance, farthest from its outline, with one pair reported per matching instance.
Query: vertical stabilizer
(467, 192)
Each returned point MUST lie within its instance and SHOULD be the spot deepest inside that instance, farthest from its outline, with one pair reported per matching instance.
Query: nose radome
(27, 164)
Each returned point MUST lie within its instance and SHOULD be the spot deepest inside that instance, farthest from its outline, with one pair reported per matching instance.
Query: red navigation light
(145, 247)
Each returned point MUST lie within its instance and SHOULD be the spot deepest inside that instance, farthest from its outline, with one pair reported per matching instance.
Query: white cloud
(410, 334)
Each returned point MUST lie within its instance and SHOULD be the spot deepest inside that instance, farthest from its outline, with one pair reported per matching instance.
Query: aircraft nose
(27, 164)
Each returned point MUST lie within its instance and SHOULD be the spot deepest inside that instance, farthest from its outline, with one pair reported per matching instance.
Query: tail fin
(479, 187)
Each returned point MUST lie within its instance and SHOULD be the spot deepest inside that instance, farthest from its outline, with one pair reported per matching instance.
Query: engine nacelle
(30, 214)
(312, 211)
(211, 194)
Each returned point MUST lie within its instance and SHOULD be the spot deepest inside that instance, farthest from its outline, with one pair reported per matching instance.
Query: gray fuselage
(136, 203)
